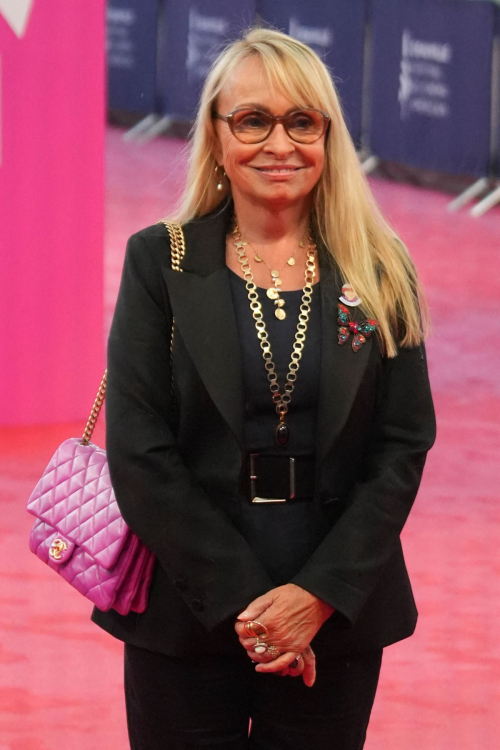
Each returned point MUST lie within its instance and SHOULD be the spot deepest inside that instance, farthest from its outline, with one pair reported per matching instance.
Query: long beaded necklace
(280, 400)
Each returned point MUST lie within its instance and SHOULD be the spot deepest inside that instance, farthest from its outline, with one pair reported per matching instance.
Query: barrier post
(493, 198)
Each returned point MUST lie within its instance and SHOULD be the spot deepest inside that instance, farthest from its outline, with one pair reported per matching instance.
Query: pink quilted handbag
(79, 531)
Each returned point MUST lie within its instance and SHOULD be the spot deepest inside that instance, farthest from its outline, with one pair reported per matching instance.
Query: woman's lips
(278, 173)
(277, 170)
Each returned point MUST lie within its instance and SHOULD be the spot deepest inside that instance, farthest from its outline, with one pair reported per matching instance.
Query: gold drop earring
(220, 184)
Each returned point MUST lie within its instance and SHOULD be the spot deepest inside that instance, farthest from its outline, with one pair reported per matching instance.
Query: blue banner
(132, 27)
(191, 36)
(431, 84)
(335, 31)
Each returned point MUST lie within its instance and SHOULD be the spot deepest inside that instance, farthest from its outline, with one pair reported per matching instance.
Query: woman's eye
(252, 121)
(301, 122)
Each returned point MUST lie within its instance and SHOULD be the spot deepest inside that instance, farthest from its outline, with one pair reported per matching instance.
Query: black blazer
(375, 425)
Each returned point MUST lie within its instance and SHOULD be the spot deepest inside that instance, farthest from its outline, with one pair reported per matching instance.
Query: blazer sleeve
(202, 553)
(344, 568)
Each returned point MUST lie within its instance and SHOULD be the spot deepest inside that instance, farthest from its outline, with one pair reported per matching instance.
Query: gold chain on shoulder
(178, 249)
(177, 252)
(177, 244)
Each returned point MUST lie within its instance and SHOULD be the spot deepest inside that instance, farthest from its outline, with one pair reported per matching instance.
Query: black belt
(279, 479)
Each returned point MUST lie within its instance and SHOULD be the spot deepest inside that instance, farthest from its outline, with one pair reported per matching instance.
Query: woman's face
(277, 171)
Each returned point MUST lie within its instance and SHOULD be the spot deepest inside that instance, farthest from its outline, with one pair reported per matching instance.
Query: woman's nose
(279, 142)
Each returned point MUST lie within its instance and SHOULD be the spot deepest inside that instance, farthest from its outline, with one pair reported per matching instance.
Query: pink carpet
(60, 676)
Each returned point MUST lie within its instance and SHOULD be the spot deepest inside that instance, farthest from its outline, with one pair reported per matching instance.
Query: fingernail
(243, 615)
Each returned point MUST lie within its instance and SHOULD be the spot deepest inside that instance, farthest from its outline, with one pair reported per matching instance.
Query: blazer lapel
(341, 368)
(204, 314)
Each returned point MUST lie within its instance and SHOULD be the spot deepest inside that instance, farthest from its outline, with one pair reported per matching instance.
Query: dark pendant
(282, 434)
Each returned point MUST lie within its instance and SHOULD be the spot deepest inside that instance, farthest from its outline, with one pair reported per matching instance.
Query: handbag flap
(76, 498)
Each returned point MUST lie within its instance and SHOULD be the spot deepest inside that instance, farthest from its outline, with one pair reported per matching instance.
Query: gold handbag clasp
(57, 547)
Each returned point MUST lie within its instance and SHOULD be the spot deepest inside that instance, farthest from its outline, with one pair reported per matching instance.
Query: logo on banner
(423, 78)
(205, 35)
(120, 47)
(320, 38)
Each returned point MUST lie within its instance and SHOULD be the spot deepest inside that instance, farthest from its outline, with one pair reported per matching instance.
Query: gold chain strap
(178, 249)
(89, 429)
(281, 401)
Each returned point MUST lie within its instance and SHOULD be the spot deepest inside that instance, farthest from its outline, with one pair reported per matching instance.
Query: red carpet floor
(60, 677)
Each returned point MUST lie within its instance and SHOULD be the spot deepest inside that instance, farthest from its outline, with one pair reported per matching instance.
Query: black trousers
(206, 701)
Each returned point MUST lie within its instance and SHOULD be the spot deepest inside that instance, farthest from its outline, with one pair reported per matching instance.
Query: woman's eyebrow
(263, 108)
(252, 105)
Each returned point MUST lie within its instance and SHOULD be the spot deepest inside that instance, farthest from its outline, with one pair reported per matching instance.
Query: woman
(285, 252)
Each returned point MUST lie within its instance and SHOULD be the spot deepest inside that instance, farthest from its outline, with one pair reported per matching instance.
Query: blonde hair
(345, 217)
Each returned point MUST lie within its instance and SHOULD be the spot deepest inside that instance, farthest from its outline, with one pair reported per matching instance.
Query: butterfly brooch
(360, 331)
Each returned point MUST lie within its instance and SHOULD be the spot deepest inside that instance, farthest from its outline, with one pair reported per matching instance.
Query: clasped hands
(293, 616)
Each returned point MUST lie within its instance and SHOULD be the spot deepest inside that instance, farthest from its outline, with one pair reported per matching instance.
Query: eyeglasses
(254, 125)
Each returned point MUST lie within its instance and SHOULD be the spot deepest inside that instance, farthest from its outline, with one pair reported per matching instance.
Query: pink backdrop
(52, 110)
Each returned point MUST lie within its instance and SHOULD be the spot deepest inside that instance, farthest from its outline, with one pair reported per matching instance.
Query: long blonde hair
(345, 217)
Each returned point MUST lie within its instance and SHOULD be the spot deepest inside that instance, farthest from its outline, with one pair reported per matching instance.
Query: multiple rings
(263, 648)
(257, 630)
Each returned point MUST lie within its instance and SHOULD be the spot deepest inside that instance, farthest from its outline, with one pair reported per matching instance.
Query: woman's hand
(293, 616)
(304, 664)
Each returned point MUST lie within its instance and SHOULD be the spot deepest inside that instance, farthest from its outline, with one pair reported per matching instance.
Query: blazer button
(181, 586)
(197, 605)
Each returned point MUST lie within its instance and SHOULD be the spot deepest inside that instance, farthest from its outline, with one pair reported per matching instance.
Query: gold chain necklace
(274, 292)
(281, 400)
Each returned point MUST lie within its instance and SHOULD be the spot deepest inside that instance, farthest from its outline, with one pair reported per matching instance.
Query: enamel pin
(360, 331)
(349, 296)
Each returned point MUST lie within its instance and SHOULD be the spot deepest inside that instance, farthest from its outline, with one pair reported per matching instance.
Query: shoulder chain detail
(177, 244)
(177, 252)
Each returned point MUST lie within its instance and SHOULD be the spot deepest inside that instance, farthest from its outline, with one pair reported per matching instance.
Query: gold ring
(273, 651)
(256, 629)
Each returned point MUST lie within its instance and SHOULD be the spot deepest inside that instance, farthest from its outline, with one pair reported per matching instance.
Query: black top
(261, 416)
(280, 535)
